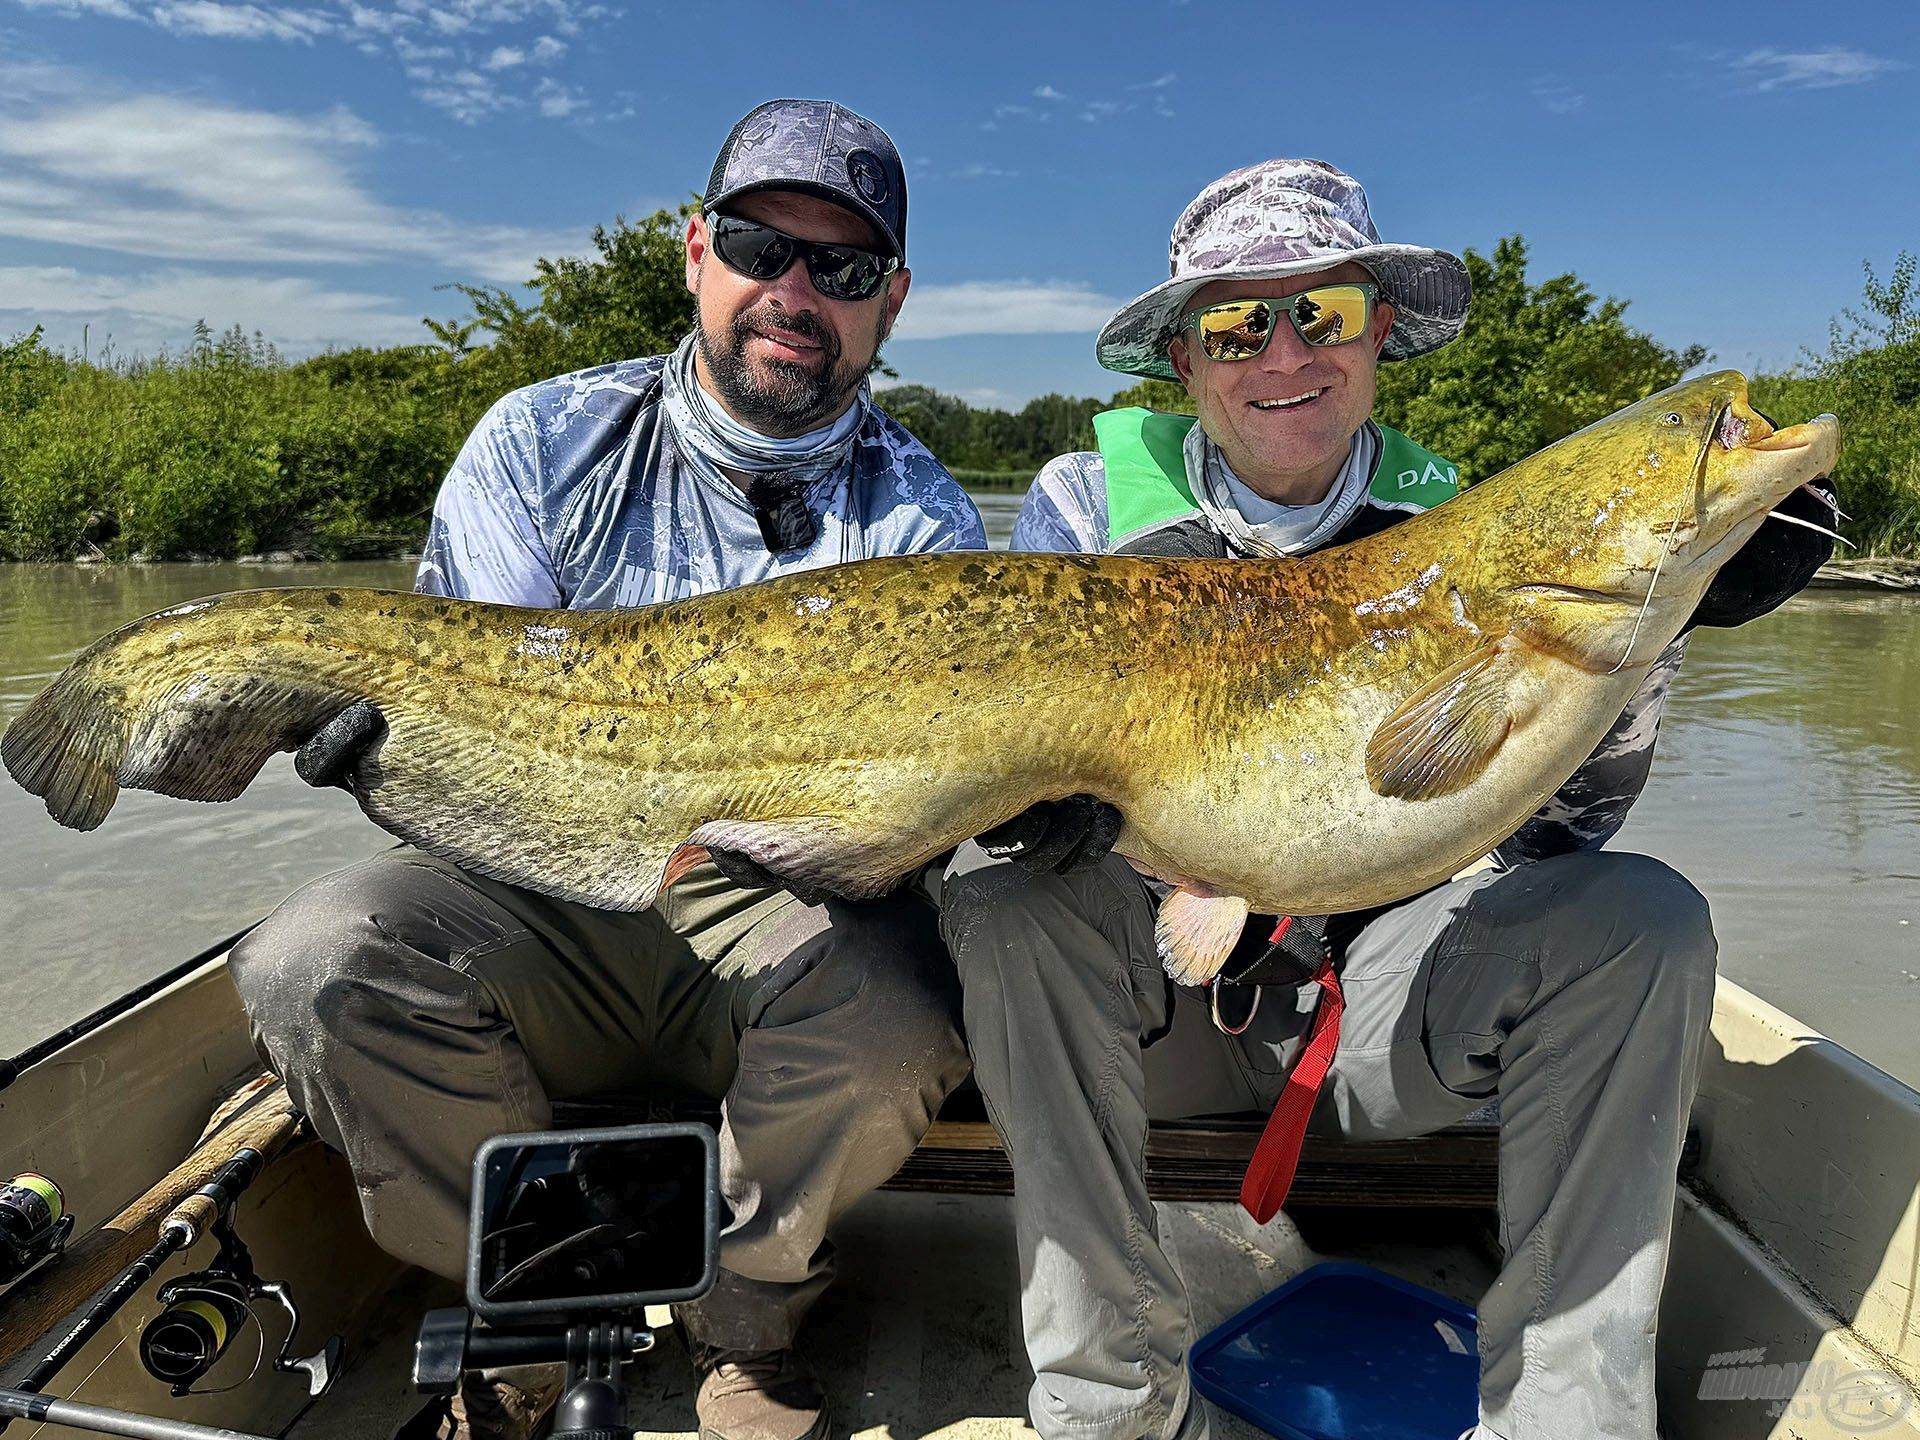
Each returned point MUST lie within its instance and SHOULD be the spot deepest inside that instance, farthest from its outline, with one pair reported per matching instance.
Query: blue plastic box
(1344, 1352)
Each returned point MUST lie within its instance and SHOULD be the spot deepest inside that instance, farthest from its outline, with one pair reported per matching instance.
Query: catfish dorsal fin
(1440, 738)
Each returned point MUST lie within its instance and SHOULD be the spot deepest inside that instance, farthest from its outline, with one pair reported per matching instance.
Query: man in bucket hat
(1570, 983)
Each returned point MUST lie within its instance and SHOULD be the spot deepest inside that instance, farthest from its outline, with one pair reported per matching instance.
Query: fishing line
(1700, 484)
(259, 1354)
(75, 1390)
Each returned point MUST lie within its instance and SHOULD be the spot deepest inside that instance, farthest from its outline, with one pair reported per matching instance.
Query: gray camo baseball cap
(818, 148)
(1287, 217)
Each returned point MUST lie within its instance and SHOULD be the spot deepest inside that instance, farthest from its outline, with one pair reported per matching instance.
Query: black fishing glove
(1058, 835)
(336, 747)
(748, 873)
(1775, 563)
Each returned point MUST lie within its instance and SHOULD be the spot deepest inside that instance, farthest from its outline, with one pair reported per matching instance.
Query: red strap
(1270, 1172)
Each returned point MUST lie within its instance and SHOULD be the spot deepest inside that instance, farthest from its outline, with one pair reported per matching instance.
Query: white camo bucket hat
(1287, 217)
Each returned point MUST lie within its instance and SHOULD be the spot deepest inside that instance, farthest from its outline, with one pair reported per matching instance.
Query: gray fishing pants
(1577, 990)
(414, 1010)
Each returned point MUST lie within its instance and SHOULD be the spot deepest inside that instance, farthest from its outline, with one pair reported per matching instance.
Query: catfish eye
(1672, 417)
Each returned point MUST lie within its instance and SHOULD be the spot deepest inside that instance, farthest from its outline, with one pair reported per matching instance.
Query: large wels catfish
(1297, 737)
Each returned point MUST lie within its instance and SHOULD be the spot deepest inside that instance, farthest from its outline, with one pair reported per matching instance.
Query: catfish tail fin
(66, 751)
(128, 714)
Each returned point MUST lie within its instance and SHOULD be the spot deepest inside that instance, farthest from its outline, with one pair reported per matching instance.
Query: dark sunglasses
(760, 252)
(1324, 315)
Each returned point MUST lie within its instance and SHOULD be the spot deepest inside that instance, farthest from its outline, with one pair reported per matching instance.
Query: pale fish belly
(1288, 820)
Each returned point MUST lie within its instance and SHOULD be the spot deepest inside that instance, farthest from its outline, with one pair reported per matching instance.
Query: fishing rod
(201, 1313)
(52, 1410)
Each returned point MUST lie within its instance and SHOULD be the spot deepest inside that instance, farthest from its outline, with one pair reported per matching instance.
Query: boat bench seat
(1455, 1168)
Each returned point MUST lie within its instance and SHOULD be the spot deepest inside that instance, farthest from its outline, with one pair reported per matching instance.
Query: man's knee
(884, 977)
(1640, 915)
(319, 968)
(989, 907)
(987, 897)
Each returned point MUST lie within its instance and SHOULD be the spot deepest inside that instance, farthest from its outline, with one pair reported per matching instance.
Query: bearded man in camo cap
(1571, 982)
(415, 1009)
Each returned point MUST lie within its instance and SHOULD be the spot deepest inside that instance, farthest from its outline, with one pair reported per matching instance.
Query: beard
(781, 398)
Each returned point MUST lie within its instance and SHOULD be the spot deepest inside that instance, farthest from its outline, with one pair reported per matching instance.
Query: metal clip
(1213, 1005)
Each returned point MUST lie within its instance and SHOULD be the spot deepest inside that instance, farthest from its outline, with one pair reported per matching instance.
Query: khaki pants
(1577, 990)
(415, 1010)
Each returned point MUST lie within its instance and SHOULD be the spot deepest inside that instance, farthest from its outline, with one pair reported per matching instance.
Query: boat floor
(920, 1334)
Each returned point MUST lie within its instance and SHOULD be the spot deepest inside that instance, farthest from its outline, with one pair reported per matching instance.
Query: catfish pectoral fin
(1439, 739)
(1196, 933)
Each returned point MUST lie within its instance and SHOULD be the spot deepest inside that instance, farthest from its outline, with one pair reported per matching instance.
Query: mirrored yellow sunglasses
(1324, 315)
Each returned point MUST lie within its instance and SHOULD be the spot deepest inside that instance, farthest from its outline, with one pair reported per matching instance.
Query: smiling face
(1284, 419)
(780, 357)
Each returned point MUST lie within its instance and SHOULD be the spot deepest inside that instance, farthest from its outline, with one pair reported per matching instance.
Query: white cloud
(985, 397)
(367, 19)
(1813, 69)
(179, 179)
(1002, 307)
(239, 22)
(464, 36)
(148, 312)
(1556, 96)
(118, 9)
(558, 101)
(1098, 110)
(1159, 83)
(466, 95)
(1047, 92)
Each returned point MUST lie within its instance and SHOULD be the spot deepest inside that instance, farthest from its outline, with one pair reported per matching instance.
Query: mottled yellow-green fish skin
(1299, 736)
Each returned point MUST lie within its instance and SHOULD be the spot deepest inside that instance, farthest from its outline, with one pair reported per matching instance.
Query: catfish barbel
(1290, 736)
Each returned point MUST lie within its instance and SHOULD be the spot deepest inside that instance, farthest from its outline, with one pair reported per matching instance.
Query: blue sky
(315, 169)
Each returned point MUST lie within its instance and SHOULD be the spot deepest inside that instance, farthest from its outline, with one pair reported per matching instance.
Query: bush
(227, 448)
(995, 480)
(1534, 364)
(995, 441)
(362, 448)
(1869, 376)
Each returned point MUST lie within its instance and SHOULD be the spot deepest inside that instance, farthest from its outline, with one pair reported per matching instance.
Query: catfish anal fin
(1196, 933)
(816, 857)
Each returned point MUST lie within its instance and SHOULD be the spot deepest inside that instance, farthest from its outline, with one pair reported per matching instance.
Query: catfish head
(1605, 542)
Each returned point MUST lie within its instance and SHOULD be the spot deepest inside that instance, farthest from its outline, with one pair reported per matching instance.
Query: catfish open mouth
(1794, 437)
(1741, 427)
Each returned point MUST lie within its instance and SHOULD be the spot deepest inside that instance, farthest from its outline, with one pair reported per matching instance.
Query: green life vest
(1144, 452)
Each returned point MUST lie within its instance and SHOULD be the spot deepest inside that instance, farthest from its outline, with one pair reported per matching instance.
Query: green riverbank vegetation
(226, 447)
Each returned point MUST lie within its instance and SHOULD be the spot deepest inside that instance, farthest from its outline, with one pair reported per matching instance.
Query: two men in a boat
(415, 1010)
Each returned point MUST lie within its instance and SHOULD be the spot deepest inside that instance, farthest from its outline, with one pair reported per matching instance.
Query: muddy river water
(1787, 787)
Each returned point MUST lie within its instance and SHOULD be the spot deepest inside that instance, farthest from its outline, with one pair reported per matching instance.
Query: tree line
(227, 448)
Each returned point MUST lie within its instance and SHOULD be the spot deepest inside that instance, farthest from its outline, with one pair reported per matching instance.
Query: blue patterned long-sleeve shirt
(572, 493)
